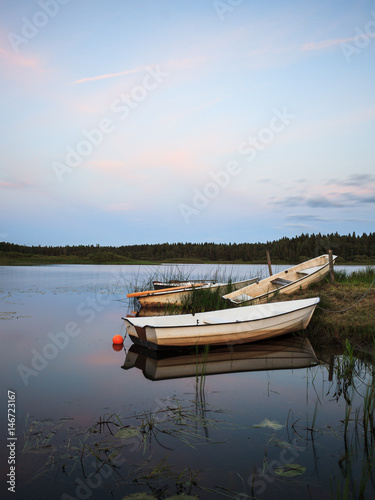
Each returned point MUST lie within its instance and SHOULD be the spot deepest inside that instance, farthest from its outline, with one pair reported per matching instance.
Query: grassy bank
(346, 310)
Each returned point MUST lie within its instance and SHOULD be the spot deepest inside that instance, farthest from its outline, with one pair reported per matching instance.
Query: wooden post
(269, 262)
(331, 273)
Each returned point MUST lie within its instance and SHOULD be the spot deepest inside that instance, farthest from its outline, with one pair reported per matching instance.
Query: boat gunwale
(316, 299)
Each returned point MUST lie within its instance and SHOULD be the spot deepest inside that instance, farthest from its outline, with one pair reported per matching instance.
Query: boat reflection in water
(287, 352)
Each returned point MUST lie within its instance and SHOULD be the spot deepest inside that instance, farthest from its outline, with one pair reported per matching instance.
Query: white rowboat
(226, 326)
(289, 281)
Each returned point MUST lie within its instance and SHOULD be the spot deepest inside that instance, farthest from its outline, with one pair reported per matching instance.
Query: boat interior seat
(310, 270)
(281, 282)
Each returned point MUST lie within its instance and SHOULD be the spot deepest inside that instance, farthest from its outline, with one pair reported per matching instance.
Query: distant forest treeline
(350, 248)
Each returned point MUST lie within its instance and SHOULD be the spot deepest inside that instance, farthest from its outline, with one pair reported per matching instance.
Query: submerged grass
(356, 381)
(132, 448)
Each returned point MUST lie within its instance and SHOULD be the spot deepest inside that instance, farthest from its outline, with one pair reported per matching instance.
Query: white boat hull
(286, 282)
(227, 326)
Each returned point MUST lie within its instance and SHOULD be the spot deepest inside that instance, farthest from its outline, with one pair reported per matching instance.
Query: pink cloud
(119, 207)
(107, 165)
(13, 184)
(324, 44)
(11, 59)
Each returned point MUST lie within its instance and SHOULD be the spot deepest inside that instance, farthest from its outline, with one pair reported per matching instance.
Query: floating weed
(109, 441)
(7, 315)
(151, 474)
(284, 444)
(127, 433)
(272, 424)
(290, 470)
(38, 435)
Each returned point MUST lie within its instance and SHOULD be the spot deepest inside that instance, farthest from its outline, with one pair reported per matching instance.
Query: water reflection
(279, 354)
(231, 434)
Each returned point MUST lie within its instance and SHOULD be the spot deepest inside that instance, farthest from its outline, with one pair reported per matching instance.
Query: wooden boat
(177, 295)
(159, 285)
(226, 326)
(288, 281)
(288, 352)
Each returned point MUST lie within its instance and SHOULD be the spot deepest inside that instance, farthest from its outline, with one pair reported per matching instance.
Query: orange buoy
(117, 339)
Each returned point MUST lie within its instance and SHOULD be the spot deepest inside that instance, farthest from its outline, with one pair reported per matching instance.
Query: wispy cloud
(352, 191)
(325, 44)
(13, 184)
(343, 200)
(119, 207)
(109, 75)
(354, 180)
(175, 64)
(10, 59)
(307, 217)
(298, 225)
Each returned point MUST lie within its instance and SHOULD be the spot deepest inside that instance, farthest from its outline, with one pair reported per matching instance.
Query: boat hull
(286, 282)
(161, 298)
(253, 323)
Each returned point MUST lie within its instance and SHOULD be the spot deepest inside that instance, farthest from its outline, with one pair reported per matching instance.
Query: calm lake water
(265, 421)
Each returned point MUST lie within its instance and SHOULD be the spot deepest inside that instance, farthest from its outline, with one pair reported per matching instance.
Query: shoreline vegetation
(345, 313)
(350, 249)
(346, 310)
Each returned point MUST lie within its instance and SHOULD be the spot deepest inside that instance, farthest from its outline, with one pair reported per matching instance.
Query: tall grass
(361, 276)
(206, 299)
(357, 463)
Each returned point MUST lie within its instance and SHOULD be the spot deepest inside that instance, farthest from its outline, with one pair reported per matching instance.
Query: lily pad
(126, 433)
(290, 470)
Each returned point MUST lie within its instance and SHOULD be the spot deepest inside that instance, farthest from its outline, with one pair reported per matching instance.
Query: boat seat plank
(281, 282)
(309, 270)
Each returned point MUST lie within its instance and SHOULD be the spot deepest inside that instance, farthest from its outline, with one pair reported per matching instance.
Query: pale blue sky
(150, 121)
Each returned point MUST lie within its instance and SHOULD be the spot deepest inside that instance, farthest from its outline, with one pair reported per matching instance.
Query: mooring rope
(355, 303)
